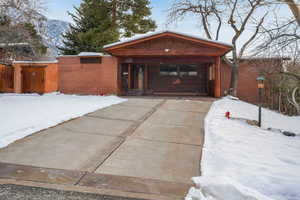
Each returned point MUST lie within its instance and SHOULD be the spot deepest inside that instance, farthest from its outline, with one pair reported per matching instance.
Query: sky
(58, 9)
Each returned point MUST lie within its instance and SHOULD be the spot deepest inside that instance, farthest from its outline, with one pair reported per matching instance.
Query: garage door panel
(178, 78)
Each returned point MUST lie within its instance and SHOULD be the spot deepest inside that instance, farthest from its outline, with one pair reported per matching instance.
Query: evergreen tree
(100, 22)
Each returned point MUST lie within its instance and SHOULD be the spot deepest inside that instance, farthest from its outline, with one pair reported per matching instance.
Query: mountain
(54, 29)
(51, 30)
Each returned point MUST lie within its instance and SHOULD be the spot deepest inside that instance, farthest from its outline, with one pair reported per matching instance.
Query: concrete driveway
(150, 146)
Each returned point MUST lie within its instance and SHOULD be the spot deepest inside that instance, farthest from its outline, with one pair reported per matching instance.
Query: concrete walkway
(150, 146)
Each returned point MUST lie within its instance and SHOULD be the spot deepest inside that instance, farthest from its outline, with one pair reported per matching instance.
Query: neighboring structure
(163, 63)
(29, 77)
(14, 51)
(249, 70)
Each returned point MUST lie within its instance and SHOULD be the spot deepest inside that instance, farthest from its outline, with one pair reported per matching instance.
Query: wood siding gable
(168, 45)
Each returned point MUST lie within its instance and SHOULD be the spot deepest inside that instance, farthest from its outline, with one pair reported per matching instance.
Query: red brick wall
(76, 78)
(249, 70)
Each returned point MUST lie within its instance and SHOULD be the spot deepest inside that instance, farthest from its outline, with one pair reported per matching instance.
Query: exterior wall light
(167, 50)
(260, 85)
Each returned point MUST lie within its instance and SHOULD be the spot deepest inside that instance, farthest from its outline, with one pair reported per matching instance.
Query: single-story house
(161, 63)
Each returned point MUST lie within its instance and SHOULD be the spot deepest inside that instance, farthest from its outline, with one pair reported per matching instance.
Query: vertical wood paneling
(218, 77)
(129, 76)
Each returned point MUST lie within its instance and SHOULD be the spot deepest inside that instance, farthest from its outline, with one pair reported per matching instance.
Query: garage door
(176, 78)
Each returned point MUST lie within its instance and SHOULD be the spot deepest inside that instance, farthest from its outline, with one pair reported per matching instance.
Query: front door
(133, 79)
(179, 78)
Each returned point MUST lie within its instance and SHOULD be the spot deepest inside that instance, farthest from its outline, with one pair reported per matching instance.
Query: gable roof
(158, 34)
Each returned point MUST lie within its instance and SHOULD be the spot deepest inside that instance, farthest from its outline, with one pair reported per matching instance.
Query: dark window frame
(179, 71)
(188, 70)
(168, 72)
(90, 60)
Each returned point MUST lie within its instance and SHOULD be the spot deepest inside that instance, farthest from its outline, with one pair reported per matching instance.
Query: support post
(17, 78)
(217, 85)
(129, 76)
(146, 77)
(119, 78)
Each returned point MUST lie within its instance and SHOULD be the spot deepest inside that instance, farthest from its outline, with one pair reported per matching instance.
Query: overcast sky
(57, 9)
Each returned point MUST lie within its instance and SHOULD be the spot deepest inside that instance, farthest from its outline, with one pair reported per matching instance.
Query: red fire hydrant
(227, 115)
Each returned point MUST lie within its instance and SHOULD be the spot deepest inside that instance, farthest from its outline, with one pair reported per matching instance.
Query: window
(90, 60)
(168, 70)
(188, 70)
(175, 70)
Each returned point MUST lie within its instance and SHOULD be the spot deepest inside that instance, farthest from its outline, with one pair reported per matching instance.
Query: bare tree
(240, 16)
(293, 87)
(282, 41)
(20, 21)
(23, 10)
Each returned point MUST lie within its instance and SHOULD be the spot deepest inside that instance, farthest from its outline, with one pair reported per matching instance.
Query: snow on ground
(24, 114)
(245, 162)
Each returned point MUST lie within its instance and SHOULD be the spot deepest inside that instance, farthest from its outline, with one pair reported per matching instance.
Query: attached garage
(178, 78)
(169, 63)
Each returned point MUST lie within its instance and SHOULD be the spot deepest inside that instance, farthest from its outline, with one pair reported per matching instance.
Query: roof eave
(130, 41)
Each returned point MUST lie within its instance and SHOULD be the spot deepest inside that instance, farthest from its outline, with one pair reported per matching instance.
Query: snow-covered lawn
(24, 114)
(245, 162)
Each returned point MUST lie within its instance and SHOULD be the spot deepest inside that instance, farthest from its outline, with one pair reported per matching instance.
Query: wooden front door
(178, 78)
(33, 80)
(133, 80)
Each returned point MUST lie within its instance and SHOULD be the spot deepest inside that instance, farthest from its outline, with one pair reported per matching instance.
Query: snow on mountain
(54, 29)
(51, 30)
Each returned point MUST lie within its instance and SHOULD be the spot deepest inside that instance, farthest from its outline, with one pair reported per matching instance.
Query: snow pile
(214, 188)
(245, 162)
(24, 114)
(90, 54)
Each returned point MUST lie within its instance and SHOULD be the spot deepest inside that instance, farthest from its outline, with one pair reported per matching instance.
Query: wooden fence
(6, 78)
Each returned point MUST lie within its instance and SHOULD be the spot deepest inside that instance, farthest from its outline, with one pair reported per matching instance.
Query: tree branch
(231, 21)
(246, 44)
(292, 75)
(295, 9)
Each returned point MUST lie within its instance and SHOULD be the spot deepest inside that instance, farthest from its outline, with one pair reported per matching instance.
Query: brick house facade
(75, 77)
(163, 63)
